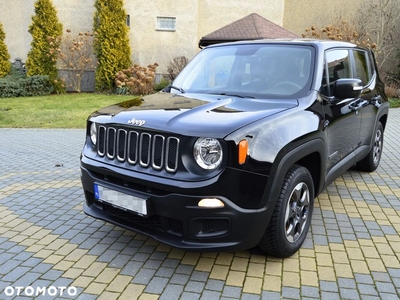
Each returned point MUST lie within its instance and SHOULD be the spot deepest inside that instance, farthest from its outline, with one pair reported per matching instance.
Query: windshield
(255, 70)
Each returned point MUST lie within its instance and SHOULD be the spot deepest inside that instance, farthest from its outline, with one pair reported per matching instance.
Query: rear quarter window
(362, 68)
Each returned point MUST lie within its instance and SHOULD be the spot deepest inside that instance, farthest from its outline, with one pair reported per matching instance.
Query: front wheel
(291, 218)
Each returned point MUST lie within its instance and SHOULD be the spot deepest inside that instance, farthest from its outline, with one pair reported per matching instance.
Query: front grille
(153, 222)
(143, 148)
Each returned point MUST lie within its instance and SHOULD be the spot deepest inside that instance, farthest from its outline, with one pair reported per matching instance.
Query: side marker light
(243, 150)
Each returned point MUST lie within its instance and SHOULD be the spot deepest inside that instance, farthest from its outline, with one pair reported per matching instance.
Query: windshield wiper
(177, 88)
(233, 95)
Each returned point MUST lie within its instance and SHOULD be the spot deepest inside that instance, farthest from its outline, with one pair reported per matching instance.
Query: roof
(251, 27)
(318, 43)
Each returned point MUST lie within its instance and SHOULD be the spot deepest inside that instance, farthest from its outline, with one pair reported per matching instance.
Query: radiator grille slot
(146, 149)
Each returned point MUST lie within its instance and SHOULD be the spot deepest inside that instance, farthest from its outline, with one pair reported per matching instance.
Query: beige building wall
(150, 45)
(76, 15)
(194, 19)
(302, 14)
(16, 18)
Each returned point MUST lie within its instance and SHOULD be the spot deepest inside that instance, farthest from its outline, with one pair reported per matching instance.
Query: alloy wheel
(377, 146)
(296, 215)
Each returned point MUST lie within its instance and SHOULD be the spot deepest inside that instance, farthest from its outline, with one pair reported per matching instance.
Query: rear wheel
(291, 218)
(371, 161)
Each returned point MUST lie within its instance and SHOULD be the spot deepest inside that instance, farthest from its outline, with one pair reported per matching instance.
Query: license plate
(120, 200)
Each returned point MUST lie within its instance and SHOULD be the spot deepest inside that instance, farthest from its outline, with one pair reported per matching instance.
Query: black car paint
(280, 132)
(183, 114)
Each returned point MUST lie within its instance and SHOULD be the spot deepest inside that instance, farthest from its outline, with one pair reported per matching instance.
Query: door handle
(356, 106)
(377, 99)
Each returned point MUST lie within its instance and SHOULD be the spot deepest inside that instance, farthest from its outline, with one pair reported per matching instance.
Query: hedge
(36, 85)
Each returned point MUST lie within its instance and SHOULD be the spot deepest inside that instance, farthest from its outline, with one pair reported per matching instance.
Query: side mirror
(347, 88)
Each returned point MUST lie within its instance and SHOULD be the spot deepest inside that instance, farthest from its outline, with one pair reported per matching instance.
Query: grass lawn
(54, 111)
(395, 102)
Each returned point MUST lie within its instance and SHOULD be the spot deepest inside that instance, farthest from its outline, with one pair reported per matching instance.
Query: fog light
(211, 203)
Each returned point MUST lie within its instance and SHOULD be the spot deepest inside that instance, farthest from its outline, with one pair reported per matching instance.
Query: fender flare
(284, 161)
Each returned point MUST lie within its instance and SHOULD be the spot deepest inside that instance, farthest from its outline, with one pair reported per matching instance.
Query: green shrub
(37, 85)
(10, 88)
(161, 85)
(122, 90)
(111, 42)
(5, 65)
(46, 33)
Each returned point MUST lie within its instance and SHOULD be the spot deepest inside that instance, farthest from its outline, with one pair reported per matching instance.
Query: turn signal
(243, 148)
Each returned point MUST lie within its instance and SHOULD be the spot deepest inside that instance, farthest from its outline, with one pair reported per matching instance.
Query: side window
(362, 70)
(337, 66)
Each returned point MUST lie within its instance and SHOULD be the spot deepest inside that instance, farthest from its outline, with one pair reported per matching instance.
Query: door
(342, 116)
(369, 99)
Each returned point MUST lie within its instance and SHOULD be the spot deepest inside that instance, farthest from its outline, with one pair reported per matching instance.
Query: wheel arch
(383, 120)
(310, 155)
(313, 162)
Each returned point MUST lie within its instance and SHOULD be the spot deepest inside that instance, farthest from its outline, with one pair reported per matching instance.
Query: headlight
(93, 133)
(207, 153)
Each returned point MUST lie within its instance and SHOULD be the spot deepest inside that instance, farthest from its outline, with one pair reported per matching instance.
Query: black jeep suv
(233, 153)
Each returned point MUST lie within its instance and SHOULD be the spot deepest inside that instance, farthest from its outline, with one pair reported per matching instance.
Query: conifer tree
(111, 43)
(5, 65)
(46, 31)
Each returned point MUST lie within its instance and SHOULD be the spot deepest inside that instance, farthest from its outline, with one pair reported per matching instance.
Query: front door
(342, 116)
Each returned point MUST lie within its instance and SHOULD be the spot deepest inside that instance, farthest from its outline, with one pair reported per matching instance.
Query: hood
(191, 114)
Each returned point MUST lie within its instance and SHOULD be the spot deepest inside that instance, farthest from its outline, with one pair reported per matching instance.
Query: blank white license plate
(120, 200)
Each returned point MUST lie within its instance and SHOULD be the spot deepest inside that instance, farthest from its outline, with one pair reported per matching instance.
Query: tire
(291, 218)
(371, 161)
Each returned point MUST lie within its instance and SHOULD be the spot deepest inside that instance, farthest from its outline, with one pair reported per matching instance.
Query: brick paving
(47, 243)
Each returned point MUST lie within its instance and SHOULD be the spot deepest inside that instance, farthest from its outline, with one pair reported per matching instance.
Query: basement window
(166, 23)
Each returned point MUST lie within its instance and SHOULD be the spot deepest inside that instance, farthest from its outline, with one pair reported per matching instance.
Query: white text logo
(37, 291)
(136, 122)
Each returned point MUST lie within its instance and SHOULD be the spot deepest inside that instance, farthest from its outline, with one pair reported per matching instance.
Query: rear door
(369, 99)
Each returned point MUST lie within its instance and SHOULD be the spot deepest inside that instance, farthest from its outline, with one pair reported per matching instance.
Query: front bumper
(175, 218)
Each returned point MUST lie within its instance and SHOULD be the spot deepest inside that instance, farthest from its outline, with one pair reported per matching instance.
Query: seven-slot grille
(135, 147)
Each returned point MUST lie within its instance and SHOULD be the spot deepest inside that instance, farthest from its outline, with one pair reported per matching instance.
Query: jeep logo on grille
(136, 122)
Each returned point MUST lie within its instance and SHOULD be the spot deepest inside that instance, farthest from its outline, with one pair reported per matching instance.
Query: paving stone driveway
(50, 249)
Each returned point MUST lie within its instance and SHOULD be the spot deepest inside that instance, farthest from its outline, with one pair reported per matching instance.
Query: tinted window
(338, 66)
(362, 70)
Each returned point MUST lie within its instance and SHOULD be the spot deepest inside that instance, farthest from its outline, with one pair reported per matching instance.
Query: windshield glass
(252, 70)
